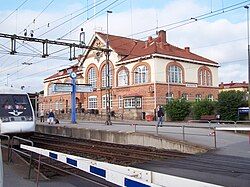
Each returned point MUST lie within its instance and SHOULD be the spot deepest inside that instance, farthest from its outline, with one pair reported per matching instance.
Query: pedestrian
(160, 115)
(51, 117)
(42, 115)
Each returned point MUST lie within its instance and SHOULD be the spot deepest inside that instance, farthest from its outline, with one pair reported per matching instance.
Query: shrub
(229, 102)
(203, 107)
(177, 110)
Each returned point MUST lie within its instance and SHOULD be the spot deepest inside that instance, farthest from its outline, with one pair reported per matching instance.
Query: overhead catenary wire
(34, 20)
(14, 11)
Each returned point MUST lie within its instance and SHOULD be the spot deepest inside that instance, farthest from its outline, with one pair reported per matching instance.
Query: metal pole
(248, 58)
(7, 81)
(215, 141)
(168, 87)
(183, 133)
(108, 113)
(38, 172)
(73, 102)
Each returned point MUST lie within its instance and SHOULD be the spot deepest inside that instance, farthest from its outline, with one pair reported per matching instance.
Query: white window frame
(210, 97)
(92, 78)
(120, 102)
(92, 102)
(141, 74)
(175, 74)
(104, 103)
(104, 74)
(198, 97)
(130, 102)
(184, 96)
(123, 78)
(50, 89)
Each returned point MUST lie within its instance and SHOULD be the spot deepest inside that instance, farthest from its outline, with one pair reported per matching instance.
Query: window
(92, 77)
(205, 77)
(184, 96)
(169, 96)
(104, 76)
(120, 102)
(104, 103)
(175, 74)
(132, 102)
(122, 78)
(141, 75)
(198, 97)
(92, 102)
(210, 97)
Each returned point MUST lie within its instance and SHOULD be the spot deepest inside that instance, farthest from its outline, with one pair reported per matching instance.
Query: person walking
(160, 114)
(42, 115)
(51, 117)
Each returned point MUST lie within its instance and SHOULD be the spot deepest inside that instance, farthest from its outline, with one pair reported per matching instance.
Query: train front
(16, 114)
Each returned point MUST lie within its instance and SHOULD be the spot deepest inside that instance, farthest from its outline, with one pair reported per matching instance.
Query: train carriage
(16, 111)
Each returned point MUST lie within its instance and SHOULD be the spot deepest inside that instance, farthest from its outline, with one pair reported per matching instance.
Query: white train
(16, 111)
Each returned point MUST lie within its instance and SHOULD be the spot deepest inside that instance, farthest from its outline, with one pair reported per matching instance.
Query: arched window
(210, 97)
(198, 97)
(123, 78)
(175, 74)
(104, 77)
(92, 77)
(140, 75)
(205, 77)
(184, 96)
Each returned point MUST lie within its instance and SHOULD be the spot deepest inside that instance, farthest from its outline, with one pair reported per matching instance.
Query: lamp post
(108, 113)
(248, 58)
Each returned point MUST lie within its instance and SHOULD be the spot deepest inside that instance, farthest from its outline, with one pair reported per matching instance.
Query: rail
(13, 149)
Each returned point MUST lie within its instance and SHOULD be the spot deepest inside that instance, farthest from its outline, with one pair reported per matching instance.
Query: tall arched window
(104, 73)
(140, 75)
(174, 74)
(205, 76)
(123, 78)
(92, 77)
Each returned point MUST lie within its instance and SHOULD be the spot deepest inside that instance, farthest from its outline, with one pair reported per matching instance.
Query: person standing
(51, 117)
(160, 114)
(42, 115)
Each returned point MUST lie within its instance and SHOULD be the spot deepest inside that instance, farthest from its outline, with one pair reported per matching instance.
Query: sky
(219, 32)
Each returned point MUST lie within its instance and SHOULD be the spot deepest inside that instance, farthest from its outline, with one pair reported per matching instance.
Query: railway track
(126, 155)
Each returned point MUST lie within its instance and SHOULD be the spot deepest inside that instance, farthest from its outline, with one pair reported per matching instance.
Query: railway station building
(143, 75)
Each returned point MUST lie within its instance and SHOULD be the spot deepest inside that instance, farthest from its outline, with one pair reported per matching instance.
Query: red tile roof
(234, 85)
(131, 48)
(63, 72)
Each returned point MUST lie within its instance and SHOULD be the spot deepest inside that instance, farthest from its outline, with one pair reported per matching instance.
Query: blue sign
(243, 110)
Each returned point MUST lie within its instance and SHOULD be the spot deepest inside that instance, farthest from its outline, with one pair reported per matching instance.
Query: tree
(203, 107)
(177, 110)
(229, 102)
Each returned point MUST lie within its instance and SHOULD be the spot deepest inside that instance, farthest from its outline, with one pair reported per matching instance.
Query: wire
(88, 19)
(13, 11)
(71, 18)
(39, 14)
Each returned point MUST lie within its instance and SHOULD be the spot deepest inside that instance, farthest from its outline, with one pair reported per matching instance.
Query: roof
(63, 72)
(233, 85)
(131, 48)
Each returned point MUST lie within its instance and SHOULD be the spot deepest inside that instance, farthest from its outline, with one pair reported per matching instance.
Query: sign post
(73, 88)
(73, 98)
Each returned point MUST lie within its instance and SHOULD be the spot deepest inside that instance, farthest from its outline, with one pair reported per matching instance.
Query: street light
(108, 113)
(248, 57)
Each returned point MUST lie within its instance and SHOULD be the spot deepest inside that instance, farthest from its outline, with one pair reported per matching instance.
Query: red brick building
(143, 74)
(237, 86)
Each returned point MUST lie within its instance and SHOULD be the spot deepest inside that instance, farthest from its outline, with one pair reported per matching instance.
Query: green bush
(177, 110)
(203, 107)
(229, 102)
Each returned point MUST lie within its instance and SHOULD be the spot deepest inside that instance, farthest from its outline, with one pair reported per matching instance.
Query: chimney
(244, 82)
(232, 82)
(187, 49)
(150, 39)
(162, 36)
